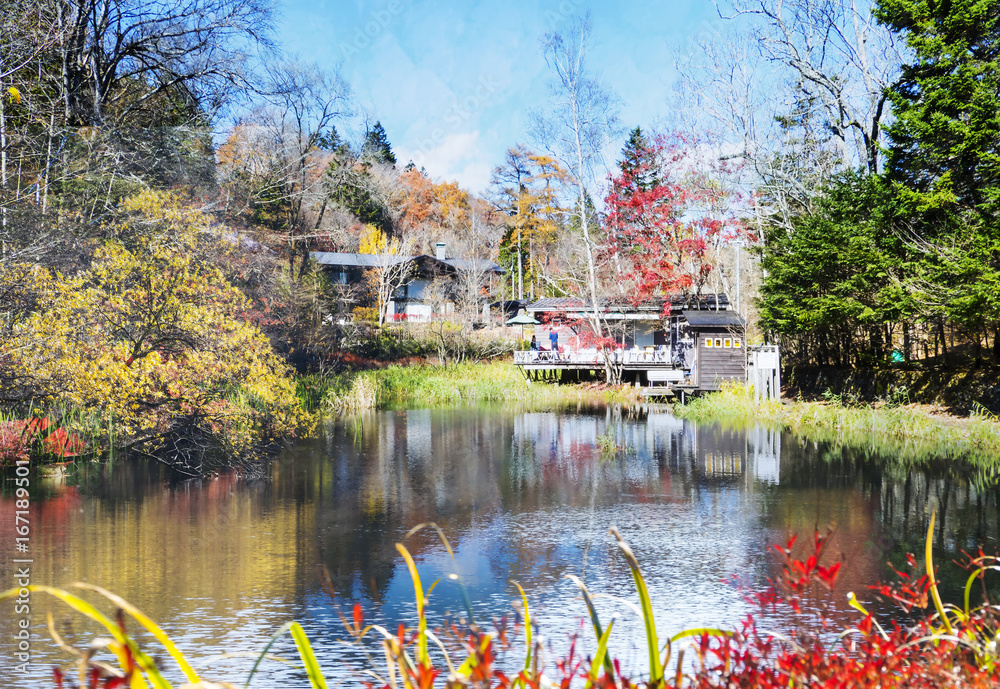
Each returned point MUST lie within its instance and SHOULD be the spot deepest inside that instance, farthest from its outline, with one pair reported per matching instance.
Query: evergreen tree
(944, 155)
(638, 161)
(829, 289)
(376, 146)
(945, 142)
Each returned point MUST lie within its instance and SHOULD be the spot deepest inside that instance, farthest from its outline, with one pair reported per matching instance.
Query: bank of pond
(527, 495)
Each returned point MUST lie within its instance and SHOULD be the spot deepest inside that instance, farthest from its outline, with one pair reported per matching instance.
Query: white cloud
(455, 156)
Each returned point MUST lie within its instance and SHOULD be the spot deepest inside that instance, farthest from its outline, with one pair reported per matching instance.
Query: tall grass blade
(929, 560)
(284, 628)
(652, 642)
(307, 655)
(594, 619)
(151, 626)
(600, 657)
(527, 625)
(144, 662)
(466, 600)
(418, 590)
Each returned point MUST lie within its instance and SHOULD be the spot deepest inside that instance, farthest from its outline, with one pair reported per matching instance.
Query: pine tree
(638, 162)
(377, 146)
(944, 155)
(945, 142)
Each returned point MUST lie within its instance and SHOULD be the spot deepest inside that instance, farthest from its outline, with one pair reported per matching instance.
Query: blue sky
(454, 82)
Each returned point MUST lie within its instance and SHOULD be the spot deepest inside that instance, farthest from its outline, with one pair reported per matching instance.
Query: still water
(523, 496)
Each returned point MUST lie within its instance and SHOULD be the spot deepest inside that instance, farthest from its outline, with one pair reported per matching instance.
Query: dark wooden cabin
(720, 348)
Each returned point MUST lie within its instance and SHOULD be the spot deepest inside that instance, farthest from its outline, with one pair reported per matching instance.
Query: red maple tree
(668, 211)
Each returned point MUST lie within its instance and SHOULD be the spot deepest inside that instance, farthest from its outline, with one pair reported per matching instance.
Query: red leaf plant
(18, 437)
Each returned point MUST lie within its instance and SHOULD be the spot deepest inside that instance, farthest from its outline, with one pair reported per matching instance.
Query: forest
(167, 172)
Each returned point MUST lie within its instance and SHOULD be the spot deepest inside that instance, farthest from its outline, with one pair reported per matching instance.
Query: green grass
(909, 433)
(425, 385)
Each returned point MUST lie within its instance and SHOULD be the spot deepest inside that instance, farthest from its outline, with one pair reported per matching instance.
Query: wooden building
(408, 300)
(696, 346)
(719, 348)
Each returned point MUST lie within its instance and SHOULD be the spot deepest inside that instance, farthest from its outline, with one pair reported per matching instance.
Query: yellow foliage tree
(373, 241)
(149, 335)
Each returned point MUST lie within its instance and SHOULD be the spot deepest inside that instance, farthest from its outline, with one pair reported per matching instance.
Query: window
(718, 342)
(708, 342)
(737, 343)
(728, 343)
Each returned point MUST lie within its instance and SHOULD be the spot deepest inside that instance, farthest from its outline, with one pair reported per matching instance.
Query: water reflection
(525, 496)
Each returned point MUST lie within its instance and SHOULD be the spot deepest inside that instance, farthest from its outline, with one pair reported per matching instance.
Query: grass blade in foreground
(418, 590)
(126, 644)
(308, 657)
(594, 619)
(153, 628)
(527, 626)
(652, 642)
(929, 560)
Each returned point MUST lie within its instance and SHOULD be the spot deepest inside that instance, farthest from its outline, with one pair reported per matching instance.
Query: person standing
(554, 340)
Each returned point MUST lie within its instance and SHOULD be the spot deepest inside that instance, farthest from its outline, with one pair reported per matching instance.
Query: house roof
(479, 264)
(558, 304)
(710, 318)
(332, 258)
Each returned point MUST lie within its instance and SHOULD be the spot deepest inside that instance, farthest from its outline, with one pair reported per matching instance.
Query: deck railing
(546, 357)
(636, 356)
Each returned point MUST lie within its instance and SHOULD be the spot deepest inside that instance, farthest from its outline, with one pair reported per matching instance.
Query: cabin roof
(653, 307)
(710, 318)
(332, 258)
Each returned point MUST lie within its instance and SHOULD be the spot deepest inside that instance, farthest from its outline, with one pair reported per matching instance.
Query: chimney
(439, 251)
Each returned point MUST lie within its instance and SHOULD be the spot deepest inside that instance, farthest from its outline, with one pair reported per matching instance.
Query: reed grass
(906, 432)
(427, 385)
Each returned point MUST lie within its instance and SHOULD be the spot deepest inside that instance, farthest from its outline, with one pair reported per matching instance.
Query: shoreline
(431, 385)
(910, 432)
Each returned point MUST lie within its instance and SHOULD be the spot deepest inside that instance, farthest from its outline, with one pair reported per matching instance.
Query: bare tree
(580, 121)
(118, 57)
(797, 89)
(277, 158)
(391, 270)
(838, 54)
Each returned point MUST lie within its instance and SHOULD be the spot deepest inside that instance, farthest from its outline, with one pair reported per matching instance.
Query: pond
(525, 496)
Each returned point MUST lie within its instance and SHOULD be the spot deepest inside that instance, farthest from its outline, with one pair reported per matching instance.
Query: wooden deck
(633, 360)
(653, 369)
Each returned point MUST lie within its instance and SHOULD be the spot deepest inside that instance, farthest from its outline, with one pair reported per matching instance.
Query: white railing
(660, 355)
(546, 357)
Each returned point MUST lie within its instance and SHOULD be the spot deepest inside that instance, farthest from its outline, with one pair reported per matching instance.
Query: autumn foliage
(667, 214)
(148, 339)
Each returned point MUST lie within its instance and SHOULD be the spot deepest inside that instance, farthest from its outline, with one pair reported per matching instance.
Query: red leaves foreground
(18, 438)
(945, 646)
(924, 654)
